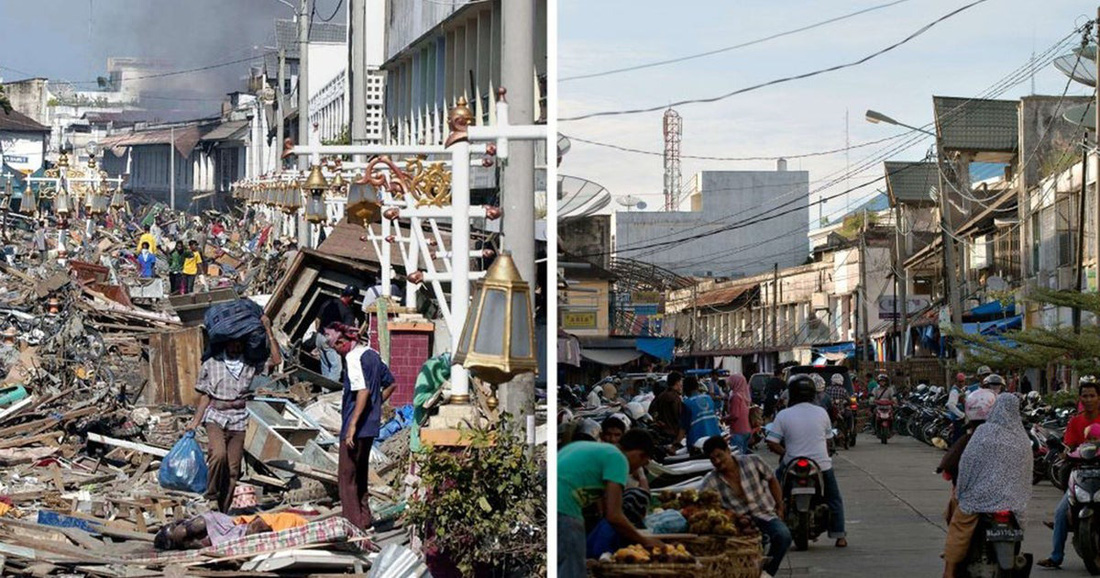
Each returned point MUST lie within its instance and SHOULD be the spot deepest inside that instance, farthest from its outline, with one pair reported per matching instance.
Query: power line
(712, 158)
(863, 60)
(186, 71)
(334, 11)
(730, 48)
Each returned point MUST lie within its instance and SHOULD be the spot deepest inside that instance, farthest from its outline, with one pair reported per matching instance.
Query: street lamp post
(946, 230)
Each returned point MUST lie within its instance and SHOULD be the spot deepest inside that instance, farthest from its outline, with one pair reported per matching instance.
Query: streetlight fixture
(498, 340)
(875, 117)
(316, 185)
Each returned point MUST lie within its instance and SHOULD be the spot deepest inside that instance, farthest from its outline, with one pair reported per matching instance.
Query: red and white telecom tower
(673, 128)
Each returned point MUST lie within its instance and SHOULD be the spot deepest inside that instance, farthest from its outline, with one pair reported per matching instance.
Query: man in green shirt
(175, 268)
(588, 471)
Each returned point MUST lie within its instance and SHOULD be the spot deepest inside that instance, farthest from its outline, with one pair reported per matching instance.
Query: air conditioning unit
(819, 301)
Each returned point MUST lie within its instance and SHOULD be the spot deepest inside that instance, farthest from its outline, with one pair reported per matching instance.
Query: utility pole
(863, 287)
(172, 167)
(1078, 268)
(357, 71)
(775, 305)
(1096, 135)
(946, 232)
(280, 130)
(902, 277)
(518, 186)
(304, 238)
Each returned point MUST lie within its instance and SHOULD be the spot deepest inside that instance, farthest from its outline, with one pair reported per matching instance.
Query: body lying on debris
(215, 528)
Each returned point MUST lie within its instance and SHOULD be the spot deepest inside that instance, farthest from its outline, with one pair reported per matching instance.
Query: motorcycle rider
(978, 406)
(1088, 394)
(994, 476)
(953, 404)
(838, 393)
(983, 372)
(802, 431)
(749, 488)
(994, 383)
(885, 391)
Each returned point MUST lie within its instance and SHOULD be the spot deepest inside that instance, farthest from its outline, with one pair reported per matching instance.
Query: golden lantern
(118, 199)
(292, 198)
(29, 203)
(62, 205)
(63, 159)
(100, 199)
(315, 186)
(363, 203)
(498, 339)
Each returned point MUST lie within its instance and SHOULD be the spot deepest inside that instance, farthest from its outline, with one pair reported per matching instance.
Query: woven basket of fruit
(667, 562)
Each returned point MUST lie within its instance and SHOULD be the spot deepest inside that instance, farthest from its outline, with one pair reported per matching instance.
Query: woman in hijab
(740, 400)
(994, 476)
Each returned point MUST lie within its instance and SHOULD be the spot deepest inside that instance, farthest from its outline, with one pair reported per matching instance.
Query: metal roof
(723, 296)
(18, 122)
(977, 125)
(909, 182)
(233, 130)
(286, 35)
(186, 137)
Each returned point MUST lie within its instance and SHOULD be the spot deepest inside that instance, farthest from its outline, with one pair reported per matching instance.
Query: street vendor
(748, 487)
(588, 471)
(223, 387)
(215, 529)
(368, 384)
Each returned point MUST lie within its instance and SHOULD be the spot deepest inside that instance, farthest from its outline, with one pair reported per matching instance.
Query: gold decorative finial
(458, 120)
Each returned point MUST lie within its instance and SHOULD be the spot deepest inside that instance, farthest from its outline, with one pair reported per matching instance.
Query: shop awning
(610, 357)
(659, 347)
(993, 309)
(994, 327)
(569, 349)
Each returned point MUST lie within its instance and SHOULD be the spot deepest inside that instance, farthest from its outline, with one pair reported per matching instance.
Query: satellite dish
(995, 283)
(1081, 114)
(92, 148)
(628, 201)
(564, 145)
(1081, 69)
(641, 205)
(579, 197)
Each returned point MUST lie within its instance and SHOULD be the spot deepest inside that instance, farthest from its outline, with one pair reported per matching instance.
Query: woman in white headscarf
(994, 476)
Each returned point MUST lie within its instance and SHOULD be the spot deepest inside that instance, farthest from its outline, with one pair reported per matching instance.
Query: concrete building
(22, 143)
(437, 52)
(728, 201)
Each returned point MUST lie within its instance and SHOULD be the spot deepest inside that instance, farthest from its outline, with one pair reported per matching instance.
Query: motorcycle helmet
(800, 388)
(984, 371)
(993, 381)
(1087, 379)
(587, 430)
(837, 379)
(882, 378)
(819, 382)
(979, 403)
(621, 417)
(921, 389)
(1033, 397)
(610, 392)
(960, 377)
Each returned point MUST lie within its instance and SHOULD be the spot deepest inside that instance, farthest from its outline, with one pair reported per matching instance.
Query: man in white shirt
(802, 431)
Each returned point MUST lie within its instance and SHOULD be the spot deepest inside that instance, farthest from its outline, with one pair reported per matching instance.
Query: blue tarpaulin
(993, 309)
(659, 347)
(847, 348)
(994, 327)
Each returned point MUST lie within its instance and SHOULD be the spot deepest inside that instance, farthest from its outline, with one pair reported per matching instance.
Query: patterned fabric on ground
(332, 530)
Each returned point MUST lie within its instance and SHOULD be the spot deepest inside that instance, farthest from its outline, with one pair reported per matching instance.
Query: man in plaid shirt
(748, 487)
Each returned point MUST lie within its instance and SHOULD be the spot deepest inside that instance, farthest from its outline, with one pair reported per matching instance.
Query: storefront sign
(888, 309)
(582, 320)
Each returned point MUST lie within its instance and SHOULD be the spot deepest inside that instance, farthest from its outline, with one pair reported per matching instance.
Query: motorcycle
(884, 419)
(807, 514)
(1084, 502)
(995, 549)
(842, 415)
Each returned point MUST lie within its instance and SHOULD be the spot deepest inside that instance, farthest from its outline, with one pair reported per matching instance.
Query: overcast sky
(961, 56)
(70, 40)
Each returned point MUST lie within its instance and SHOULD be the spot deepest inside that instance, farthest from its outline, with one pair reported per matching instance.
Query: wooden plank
(159, 452)
(17, 407)
(28, 440)
(55, 474)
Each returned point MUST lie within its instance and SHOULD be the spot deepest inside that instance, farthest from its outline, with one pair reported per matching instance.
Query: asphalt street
(894, 503)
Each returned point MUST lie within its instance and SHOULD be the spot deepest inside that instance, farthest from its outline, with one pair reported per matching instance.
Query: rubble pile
(97, 368)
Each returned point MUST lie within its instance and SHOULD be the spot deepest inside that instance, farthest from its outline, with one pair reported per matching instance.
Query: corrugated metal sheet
(909, 183)
(972, 124)
(233, 130)
(186, 137)
(721, 296)
(19, 122)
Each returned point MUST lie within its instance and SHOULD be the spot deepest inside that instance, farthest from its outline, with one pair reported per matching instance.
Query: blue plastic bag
(184, 467)
(666, 522)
